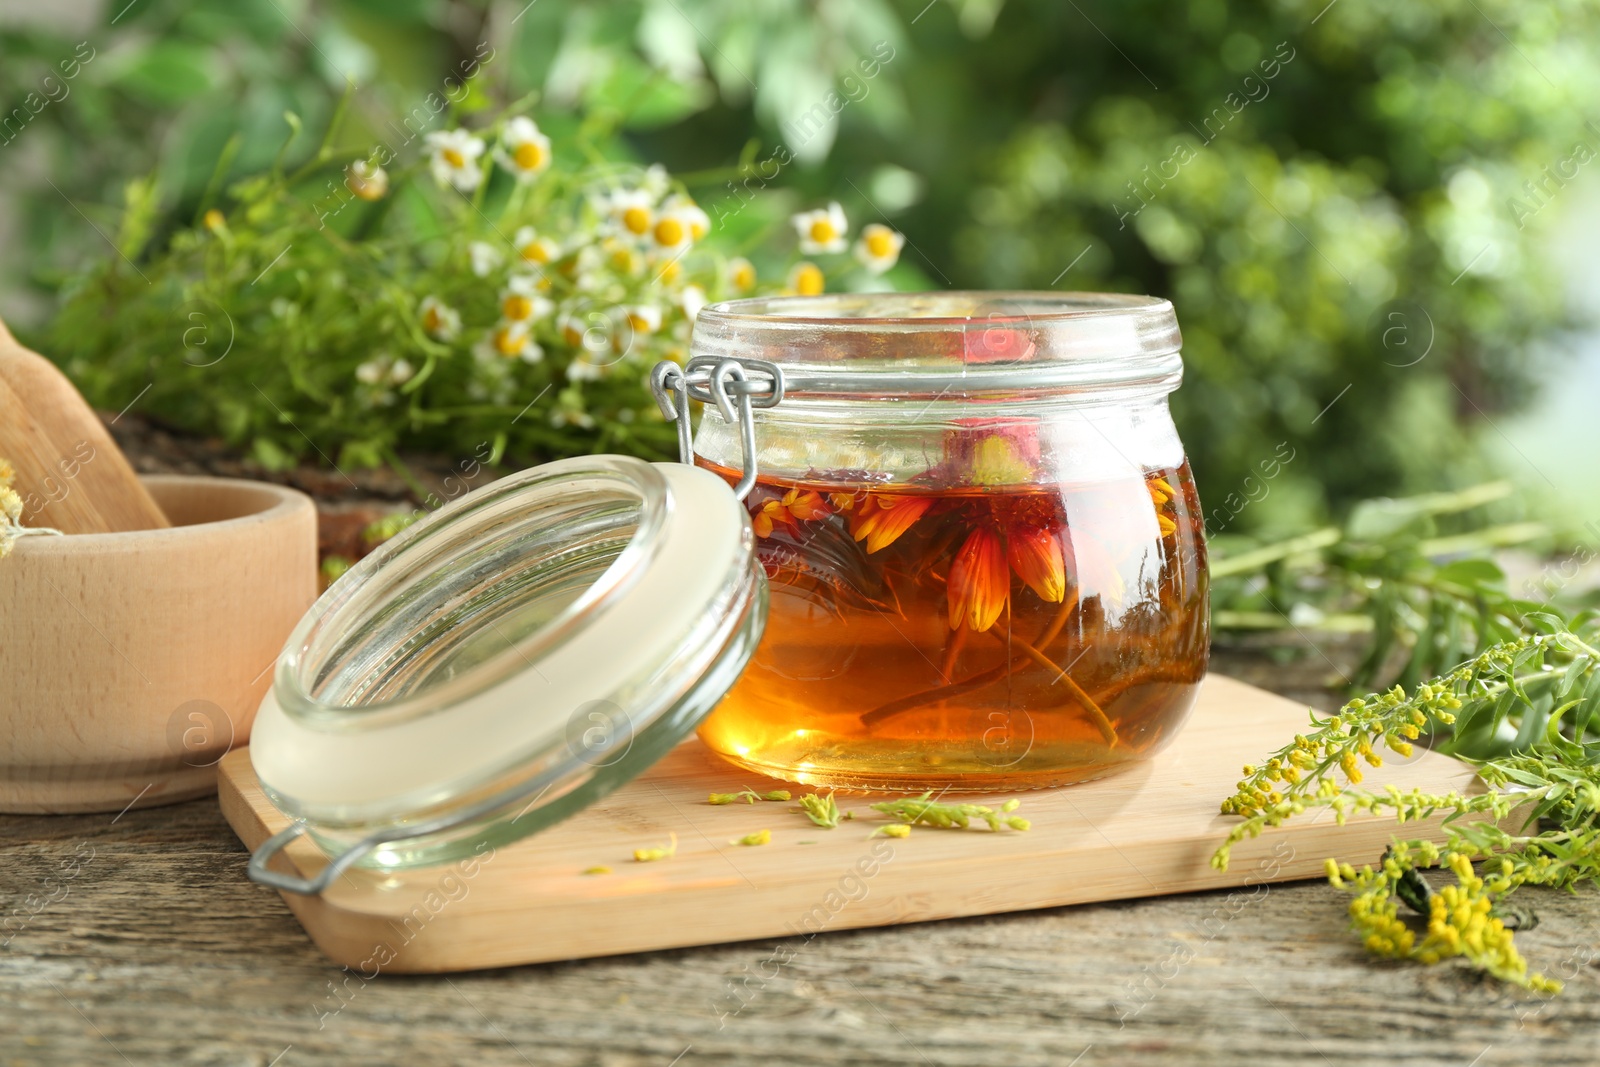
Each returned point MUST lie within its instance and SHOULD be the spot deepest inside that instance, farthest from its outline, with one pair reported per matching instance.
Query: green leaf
(166, 73)
(1471, 572)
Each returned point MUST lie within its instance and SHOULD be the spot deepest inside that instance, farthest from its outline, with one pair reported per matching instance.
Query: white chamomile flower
(689, 211)
(485, 258)
(379, 373)
(624, 259)
(366, 180)
(878, 248)
(521, 300)
(668, 267)
(741, 275)
(672, 232)
(439, 320)
(632, 212)
(643, 318)
(509, 340)
(581, 370)
(523, 150)
(453, 158)
(692, 299)
(821, 231)
(656, 181)
(806, 279)
(535, 249)
(572, 328)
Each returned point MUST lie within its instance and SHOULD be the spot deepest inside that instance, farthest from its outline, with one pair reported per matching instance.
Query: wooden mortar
(131, 662)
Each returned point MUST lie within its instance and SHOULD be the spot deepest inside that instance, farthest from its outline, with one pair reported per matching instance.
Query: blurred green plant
(1413, 577)
(475, 298)
(1337, 199)
(1327, 197)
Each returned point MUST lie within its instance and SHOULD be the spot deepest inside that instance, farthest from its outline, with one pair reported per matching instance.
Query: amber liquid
(877, 673)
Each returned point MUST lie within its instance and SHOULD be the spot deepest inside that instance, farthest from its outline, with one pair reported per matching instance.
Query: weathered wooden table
(157, 950)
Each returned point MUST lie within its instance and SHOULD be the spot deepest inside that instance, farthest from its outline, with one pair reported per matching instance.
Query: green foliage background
(1378, 166)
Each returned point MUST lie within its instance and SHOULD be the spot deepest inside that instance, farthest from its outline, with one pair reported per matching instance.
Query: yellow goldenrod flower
(821, 231)
(741, 275)
(366, 180)
(453, 158)
(806, 279)
(440, 320)
(649, 855)
(878, 248)
(523, 151)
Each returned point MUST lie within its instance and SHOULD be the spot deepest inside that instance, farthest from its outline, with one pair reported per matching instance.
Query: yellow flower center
(536, 252)
(622, 259)
(517, 307)
(432, 320)
(453, 157)
(669, 231)
(744, 277)
(822, 231)
(880, 244)
(995, 461)
(636, 219)
(506, 342)
(529, 155)
(697, 229)
(639, 322)
(670, 271)
(808, 280)
(572, 335)
(214, 219)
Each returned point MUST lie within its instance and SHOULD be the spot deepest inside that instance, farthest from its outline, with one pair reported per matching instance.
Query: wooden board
(1146, 832)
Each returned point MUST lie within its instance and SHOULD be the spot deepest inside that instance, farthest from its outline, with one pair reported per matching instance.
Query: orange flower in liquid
(943, 637)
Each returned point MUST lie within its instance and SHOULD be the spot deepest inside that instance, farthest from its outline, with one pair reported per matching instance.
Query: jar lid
(948, 343)
(507, 660)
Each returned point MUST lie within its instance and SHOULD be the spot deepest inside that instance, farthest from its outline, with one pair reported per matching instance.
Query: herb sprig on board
(1536, 696)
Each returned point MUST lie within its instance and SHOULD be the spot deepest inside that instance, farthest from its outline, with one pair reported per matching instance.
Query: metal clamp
(736, 386)
(258, 872)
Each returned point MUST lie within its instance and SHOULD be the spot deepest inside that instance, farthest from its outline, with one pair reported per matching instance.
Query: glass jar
(504, 662)
(981, 535)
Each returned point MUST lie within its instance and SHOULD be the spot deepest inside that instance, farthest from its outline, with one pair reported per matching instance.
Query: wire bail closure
(736, 386)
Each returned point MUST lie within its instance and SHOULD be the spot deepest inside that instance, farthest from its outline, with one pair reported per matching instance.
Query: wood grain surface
(136, 938)
(1148, 831)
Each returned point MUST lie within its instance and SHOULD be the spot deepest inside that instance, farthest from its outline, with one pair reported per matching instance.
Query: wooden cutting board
(1146, 832)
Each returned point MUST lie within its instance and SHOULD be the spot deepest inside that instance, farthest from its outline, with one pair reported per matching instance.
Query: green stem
(1257, 558)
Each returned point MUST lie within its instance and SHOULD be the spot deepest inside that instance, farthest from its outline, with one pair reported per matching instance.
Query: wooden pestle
(69, 472)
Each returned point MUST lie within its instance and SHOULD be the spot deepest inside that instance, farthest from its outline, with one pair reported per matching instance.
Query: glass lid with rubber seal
(506, 661)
